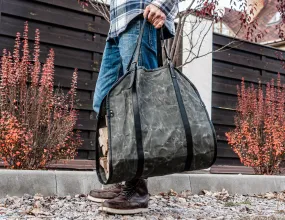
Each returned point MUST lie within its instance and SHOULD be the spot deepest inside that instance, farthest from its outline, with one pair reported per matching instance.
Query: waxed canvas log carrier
(157, 124)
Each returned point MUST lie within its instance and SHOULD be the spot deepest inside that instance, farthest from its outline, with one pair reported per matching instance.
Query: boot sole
(123, 211)
(93, 199)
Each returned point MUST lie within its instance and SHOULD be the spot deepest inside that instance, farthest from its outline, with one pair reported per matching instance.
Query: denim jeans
(117, 54)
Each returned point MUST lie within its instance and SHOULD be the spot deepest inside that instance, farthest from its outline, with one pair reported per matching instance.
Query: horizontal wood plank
(216, 169)
(246, 46)
(61, 59)
(83, 84)
(228, 161)
(225, 150)
(221, 130)
(247, 62)
(54, 39)
(85, 104)
(86, 124)
(234, 73)
(222, 100)
(70, 4)
(69, 164)
(88, 144)
(29, 10)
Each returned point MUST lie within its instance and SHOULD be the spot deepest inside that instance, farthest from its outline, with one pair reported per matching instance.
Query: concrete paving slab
(240, 184)
(73, 182)
(176, 182)
(20, 182)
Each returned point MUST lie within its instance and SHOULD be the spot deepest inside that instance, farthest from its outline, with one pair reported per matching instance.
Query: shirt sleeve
(168, 7)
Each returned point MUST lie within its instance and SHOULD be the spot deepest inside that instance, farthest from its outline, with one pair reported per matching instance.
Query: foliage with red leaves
(36, 121)
(259, 136)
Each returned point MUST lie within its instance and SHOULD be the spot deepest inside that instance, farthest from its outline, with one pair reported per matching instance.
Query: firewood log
(103, 132)
(104, 164)
(103, 140)
(105, 149)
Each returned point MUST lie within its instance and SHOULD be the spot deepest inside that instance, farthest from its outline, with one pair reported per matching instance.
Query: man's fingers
(156, 22)
(146, 11)
(159, 25)
(163, 17)
(154, 15)
(151, 16)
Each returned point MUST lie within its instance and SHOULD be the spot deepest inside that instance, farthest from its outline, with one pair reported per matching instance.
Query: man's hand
(154, 15)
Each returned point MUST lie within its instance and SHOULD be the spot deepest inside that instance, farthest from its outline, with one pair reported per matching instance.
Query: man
(126, 21)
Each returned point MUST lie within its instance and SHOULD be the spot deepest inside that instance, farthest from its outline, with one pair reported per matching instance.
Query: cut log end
(104, 164)
(103, 142)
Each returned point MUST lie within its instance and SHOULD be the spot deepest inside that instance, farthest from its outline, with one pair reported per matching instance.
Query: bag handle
(159, 49)
(135, 57)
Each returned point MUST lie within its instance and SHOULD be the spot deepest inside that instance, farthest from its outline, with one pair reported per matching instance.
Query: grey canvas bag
(157, 124)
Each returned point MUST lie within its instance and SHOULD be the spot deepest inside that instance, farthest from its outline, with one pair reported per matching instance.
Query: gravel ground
(208, 205)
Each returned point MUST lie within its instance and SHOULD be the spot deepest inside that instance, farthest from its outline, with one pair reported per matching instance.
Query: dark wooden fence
(78, 38)
(242, 59)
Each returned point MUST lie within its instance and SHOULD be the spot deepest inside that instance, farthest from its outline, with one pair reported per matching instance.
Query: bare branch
(222, 49)
(101, 7)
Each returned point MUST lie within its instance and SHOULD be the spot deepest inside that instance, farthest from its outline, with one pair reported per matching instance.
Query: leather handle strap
(159, 48)
(138, 129)
(135, 57)
(184, 117)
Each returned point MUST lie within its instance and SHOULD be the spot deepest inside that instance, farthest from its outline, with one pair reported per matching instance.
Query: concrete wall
(199, 71)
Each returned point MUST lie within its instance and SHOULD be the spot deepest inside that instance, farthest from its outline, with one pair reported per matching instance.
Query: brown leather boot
(133, 199)
(105, 194)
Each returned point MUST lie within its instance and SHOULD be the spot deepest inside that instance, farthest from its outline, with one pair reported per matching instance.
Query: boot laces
(117, 185)
(129, 189)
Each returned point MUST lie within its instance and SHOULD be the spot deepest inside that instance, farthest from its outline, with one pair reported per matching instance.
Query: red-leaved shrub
(36, 121)
(259, 136)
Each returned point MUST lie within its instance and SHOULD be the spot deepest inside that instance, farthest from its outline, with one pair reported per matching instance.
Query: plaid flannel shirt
(123, 11)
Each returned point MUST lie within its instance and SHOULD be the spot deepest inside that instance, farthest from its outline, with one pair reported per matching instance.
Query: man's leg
(128, 40)
(134, 197)
(111, 68)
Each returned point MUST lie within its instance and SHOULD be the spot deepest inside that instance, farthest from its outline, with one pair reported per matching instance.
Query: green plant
(231, 204)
